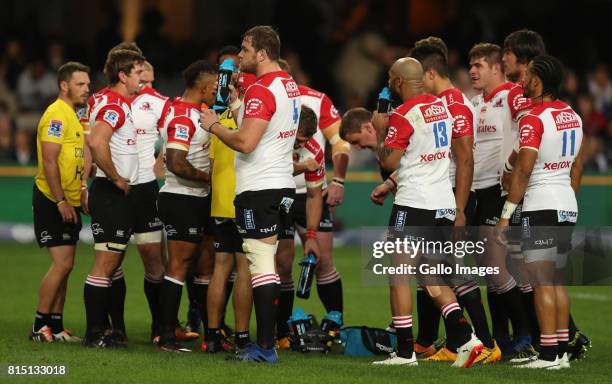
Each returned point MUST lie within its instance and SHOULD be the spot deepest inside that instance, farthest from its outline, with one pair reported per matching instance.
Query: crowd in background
(351, 68)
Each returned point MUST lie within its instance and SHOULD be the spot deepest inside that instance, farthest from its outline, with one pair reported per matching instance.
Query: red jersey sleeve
(314, 178)
(328, 114)
(180, 131)
(399, 132)
(531, 130)
(113, 115)
(164, 112)
(518, 103)
(463, 120)
(259, 103)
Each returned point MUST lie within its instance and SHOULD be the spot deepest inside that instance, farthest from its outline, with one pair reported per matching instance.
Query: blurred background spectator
(341, 47)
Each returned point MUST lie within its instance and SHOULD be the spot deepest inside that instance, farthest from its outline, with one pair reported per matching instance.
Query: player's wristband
(60, 201)
(236, 105)
(338, 181)
(508, 167)
(508, 210)
(311, 234)
(212, 125)
(392, 181)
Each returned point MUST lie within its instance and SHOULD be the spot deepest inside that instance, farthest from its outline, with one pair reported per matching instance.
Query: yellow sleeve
(213, 140)
(52, 126)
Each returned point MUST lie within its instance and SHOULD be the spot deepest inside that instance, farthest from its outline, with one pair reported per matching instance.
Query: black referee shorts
(50, 229)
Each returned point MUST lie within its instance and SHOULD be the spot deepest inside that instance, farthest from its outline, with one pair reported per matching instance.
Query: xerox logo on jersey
(111, 117)
(565, 119)
(291, 87)
(433, 112)
(181, 132)
(253, 106)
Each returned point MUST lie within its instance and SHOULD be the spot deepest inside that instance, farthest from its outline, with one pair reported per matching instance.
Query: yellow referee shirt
(223, 173)
(60, 124)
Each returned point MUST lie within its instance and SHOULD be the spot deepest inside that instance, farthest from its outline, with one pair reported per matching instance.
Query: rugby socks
(549, 347)
(499, 318)
(403, 331)
(429, 318)
(213, 335)
(170, 301)
(329, 288)
(96, 295)
(511, 297)
(152, 288)
(530, 313)
(41, 319)
(285, 306)
(200, 292)
(56, 322)
(117, 300)
(468, 296)
(242, 339)
(458, 330)
(266, 289)
(563, 340)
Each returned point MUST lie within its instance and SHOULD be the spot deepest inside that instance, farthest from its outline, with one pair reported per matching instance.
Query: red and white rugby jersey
(327, 114)
(182, 131)
(554, 130)
(148, 108)
(245, 80)
(275, 98)
(310, 150)
(114, 110)
(464, 119)
(496, 131)
(422, 126)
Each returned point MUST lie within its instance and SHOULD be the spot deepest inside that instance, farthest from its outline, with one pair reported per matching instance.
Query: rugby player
(56, 199)
(498, 108)
(424, 198)
(309, 162)
(265, 187)
(547, 174)
(432, 53)
(113, 147)
(184, 200)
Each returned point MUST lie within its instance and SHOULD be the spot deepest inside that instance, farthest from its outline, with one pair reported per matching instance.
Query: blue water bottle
(385, 101)
(226, 69)
(308, 263)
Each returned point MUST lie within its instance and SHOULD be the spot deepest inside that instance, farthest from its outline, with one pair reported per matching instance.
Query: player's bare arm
(100, 150)
(176, 161)
(462, 149)
(314, 208)
(309, 164)
(340, 159)
(576, 171)
(243, 140)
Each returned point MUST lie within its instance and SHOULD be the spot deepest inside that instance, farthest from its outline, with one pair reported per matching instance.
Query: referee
(56, 199)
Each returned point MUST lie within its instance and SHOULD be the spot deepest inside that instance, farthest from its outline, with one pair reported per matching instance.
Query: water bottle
(331, 324)
(222, 100)
(299, 323)
(385, 102)
(308, 263)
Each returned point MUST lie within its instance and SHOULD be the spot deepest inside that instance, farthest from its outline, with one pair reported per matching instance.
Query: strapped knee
(260, 256)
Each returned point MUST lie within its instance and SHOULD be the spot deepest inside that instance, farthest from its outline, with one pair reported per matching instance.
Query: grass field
(24, 265)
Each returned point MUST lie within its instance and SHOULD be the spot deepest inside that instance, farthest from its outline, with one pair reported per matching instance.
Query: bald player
(415, 141)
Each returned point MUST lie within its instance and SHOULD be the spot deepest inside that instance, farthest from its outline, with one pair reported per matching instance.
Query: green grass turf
(24, 265)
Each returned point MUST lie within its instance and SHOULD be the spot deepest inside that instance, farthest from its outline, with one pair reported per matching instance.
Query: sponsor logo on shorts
(449, 214)
(545, 242)
(120, 233)
(170, 231)
(45, 236)
(156, 223)
(567, 216)
(96, 229)
(286, 204)
(526, 229)
(326, 224)
(66, 236)
(216, 244)
(400, 220)
(249, 219)
(193, 231)
(55, 128)
(492, 221)
(271, 229)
